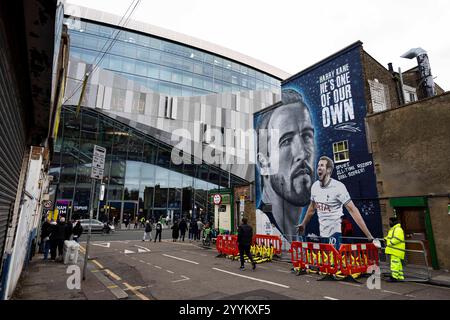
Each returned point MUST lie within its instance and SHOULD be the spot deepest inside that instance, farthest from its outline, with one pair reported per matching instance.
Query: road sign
(98, 162)
(48, 204)
(217, 199)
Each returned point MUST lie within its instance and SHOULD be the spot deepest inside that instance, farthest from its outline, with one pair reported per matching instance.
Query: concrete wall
(411, 148)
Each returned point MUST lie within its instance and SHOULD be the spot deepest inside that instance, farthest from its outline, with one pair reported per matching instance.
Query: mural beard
(297, 192)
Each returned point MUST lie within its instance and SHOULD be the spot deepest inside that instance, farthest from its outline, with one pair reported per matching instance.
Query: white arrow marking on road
(128, 251)
(330, 298)
(142, 249)
(185, 278)
(193, 262)
(104, 245)
(255, 279)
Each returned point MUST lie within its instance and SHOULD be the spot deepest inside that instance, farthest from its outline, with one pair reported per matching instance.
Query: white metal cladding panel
(12, 141)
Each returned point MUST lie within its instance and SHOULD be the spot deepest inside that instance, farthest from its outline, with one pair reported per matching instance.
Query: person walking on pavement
(57, 237)
(183, 227)
(245, 236)
(199, 229)
(147, 231)
(194, 228)
(395, 246)
(68, 230)
(77, 231)
(175, 231)
(158, 230)
(45, 240)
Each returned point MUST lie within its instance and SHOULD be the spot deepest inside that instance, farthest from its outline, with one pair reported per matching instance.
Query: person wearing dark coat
(194, 228)
(175, 231)
(245, 236)
(57, 236)
(158, 229)
(183, 227)
(69, 231)
(45, 240)
(77, 231)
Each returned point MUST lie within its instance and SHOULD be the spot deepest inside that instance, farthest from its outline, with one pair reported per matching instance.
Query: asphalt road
(185, 270)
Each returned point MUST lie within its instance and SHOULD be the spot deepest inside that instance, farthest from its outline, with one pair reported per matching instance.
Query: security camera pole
(98, 165)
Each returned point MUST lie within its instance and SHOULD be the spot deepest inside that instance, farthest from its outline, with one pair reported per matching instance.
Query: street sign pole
(98, 165)
(91, 212)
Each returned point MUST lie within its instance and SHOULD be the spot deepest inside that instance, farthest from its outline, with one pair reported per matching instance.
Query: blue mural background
(360, 184)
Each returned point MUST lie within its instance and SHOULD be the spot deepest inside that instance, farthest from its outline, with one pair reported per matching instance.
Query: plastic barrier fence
(357, 258)
(351, 259)
(315, 256)
(227, 245)
(269, 242)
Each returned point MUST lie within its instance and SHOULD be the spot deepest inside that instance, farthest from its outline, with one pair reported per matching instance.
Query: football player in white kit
(327, 197)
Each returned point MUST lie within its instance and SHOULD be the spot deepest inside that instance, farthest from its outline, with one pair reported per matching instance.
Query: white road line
(170, 271)
(330, 298)
(255, 279)
(387, 291)
(141, 261)
(350, 284)
(193, 262)
(158, 267)
(185, 278)
(149, 263)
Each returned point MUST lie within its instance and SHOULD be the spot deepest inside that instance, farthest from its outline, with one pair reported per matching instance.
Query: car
(96, 225)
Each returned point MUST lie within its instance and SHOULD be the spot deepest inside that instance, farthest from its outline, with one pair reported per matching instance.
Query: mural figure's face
(295, 151)
(322, 171)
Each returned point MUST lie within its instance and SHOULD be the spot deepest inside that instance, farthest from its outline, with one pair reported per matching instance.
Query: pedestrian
(77, 231)
(57, 237)
(395, 246)
(143, 222)
(158, 230)
(147, 231)
(245, 236)
(126, 221)
(45, 240)
(136, 222)
(199, 229)
(183, 226)
(175, 231)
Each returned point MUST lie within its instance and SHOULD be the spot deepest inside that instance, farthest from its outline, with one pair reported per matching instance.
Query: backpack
(158, 226)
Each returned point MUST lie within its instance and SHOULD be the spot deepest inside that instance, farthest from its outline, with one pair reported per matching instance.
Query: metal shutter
(12, 141)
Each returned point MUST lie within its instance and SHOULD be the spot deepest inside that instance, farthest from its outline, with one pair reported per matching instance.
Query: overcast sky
(294, 34)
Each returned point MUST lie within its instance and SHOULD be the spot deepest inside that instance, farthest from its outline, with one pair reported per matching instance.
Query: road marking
(113, 275)
(149, 263)
(104, 245)
(350, 284)
(387, 291)
(142, 249)
(185, 278)
(112, 287)
(98, 264)
(255, 279)
(133, 289)
(330, 298)
(158, 267)
(141, 261)
(128, 251)
(170, 271)
(193, 262)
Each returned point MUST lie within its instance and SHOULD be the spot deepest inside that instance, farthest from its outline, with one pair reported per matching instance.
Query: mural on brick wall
(321, 114)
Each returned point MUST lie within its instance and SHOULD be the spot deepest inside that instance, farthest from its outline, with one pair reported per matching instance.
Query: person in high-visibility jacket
(395, 246)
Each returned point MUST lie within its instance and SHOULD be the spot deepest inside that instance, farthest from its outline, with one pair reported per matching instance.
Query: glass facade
(164, 66)
(139, 176)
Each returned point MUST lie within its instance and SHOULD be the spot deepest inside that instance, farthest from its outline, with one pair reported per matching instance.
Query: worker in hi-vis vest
(395, 246)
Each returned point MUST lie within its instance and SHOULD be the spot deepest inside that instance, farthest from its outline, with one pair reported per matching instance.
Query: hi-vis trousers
(396, 268)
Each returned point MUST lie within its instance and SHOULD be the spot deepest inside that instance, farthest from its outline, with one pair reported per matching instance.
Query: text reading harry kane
(226, 309)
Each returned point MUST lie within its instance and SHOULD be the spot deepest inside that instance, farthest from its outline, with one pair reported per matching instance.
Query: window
(118, 99)
(380, 96)
(410, 94)
(170, 109)
(341, 152)
(139, 102)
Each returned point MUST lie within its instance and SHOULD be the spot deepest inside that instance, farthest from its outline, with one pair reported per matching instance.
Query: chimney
(426, 79)
(390, 67)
